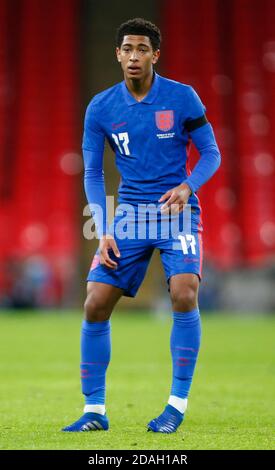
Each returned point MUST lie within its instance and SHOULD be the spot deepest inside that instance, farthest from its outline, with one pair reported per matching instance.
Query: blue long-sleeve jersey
(150, 139)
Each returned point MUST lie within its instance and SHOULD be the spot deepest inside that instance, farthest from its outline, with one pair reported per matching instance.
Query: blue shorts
(180, 251)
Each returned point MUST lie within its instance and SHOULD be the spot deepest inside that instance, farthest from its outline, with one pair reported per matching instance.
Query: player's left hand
(176, 199)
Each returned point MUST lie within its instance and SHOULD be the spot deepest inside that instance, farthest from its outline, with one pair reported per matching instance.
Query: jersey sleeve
(210, 157)
(202, 135)
(93, 136)
(94, 184)
(195, 111)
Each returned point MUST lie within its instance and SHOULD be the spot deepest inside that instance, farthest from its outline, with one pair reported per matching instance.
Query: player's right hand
(107, 243)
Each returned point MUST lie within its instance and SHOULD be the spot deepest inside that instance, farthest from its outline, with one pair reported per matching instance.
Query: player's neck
(139, 88)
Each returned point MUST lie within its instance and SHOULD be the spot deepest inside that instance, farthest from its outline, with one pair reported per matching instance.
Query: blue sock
(95, 356)
(184, 346)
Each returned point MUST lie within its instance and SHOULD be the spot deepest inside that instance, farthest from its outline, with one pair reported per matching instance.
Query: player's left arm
(202, 135)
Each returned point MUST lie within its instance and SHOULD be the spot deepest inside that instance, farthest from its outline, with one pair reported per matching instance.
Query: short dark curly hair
(140, 27)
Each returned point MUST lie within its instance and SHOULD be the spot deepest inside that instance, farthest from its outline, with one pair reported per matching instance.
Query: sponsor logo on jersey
(117, 125)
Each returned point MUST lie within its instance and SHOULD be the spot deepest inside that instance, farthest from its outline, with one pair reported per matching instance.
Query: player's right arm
(94, 184)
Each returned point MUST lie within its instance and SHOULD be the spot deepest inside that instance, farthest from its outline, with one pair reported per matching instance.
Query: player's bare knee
(184, 299)
(95, 309)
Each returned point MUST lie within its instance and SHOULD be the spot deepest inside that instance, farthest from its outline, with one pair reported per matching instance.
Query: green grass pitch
(231, 405)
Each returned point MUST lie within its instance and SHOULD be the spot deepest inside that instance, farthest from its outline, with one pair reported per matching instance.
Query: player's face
(136, 56)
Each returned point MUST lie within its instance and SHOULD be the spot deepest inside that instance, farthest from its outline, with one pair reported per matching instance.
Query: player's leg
(95, 354)
(181, 256)
(105, 287)
(184, 346)
(96, 342)
(185, 336)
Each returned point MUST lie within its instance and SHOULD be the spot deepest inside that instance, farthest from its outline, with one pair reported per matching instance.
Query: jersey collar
(148, 99)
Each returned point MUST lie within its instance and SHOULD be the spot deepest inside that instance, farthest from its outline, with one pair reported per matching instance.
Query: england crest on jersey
(164, 120)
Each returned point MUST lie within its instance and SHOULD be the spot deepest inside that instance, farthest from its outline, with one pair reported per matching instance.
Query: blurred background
(54, 56)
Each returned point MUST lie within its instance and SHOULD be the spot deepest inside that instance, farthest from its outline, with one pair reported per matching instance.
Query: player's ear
(118, 54)
(156, 56)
